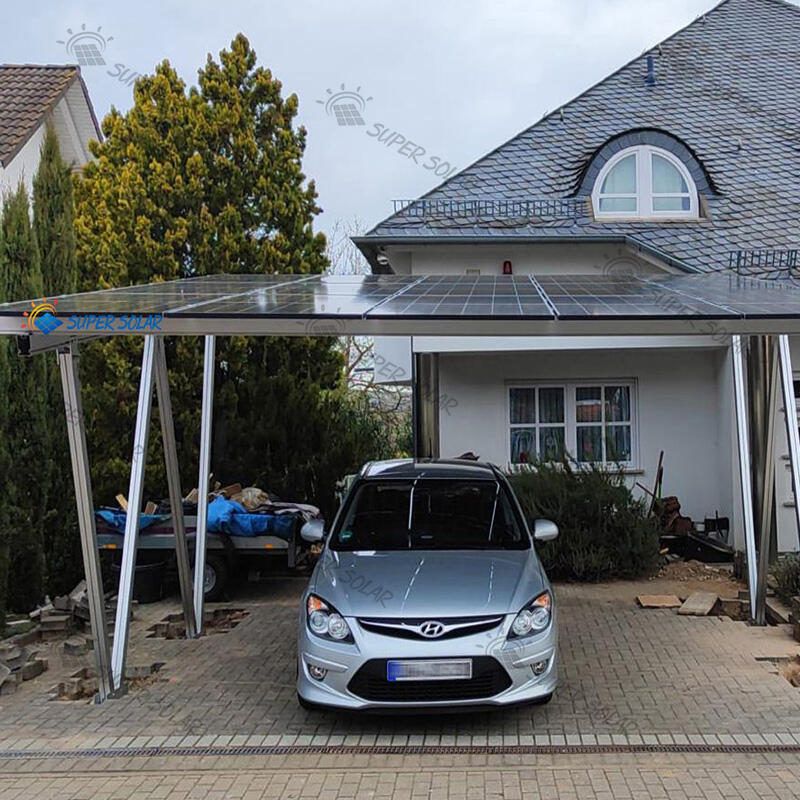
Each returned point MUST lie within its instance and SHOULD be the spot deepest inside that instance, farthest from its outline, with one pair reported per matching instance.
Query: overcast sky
(455, 77)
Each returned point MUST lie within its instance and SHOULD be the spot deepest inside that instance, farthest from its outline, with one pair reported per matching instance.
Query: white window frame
(570, 416)
(644, 186)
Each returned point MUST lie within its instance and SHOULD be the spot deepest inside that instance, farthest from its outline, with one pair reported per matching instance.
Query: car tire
(215, 578)
(307, 705)
(543, 700)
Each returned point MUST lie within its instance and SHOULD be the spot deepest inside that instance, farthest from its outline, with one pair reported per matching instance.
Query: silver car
(427, 594)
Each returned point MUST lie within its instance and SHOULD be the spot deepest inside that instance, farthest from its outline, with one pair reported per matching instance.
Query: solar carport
(756, 316)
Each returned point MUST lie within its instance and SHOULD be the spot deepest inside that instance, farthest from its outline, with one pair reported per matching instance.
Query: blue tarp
(116, 519)
(230, 517)
(224, 516)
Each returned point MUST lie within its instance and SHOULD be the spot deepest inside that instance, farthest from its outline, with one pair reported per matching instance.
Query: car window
(429, 514)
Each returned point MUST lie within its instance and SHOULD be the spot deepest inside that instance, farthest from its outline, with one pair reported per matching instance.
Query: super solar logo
(86, 46)
(42, 317)
(345, 106)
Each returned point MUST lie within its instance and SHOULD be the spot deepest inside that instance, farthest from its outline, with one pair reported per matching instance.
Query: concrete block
(699, 604)
(31, 670)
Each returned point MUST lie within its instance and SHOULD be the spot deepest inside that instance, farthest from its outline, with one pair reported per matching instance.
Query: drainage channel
(346, 750)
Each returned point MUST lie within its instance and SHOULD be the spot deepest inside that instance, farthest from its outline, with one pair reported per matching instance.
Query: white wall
(72, 121)
(678, 408)
(22, 167)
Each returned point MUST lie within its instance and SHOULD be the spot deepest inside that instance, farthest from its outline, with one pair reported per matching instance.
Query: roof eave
(4, 162)
(369, 245)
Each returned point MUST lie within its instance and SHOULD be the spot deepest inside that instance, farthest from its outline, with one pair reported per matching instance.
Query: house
(686, 159)
(31, 95)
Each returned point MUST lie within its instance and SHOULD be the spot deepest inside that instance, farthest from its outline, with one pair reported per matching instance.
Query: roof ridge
(7, 65)
(695, 21)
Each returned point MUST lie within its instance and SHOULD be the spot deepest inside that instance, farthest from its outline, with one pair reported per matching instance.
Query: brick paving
(568, 778)
(628, 676)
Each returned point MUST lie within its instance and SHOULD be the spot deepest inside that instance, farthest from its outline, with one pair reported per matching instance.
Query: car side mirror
(313, 531)
(544, 530)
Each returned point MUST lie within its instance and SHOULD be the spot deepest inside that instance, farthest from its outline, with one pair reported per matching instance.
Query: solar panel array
(549, 297)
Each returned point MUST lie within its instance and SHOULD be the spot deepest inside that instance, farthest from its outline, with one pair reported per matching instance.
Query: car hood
(454, 583)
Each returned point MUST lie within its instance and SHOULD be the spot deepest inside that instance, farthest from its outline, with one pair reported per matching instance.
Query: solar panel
(468, 296)
(448, 304)
(581, 296)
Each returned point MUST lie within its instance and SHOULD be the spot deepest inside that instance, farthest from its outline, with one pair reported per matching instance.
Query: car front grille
(488, 679)
(406, 628)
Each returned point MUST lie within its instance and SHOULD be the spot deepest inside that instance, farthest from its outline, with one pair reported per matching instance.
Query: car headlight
(325, 621)
(533, 618)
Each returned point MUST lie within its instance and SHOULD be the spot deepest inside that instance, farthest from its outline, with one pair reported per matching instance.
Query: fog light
(539, 667)
(317, 673)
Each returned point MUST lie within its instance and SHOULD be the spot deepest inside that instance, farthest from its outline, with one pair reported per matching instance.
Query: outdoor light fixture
(507, 269)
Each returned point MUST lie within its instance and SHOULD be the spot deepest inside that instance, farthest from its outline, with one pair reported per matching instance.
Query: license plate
(439, 670)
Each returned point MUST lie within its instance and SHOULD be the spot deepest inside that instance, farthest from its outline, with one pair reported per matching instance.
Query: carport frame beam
(790, 418)
(174, 483)
(203, 479)
(135, 494)
(81, 476)
(745, 472)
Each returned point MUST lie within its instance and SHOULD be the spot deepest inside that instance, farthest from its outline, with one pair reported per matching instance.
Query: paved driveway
(628, 677)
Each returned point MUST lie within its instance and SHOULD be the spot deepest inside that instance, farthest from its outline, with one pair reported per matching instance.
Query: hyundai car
(427, 594)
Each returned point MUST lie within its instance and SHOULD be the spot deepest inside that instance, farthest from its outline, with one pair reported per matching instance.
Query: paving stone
(699, 604)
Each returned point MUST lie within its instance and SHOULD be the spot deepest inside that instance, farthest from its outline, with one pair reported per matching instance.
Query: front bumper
(343, 661)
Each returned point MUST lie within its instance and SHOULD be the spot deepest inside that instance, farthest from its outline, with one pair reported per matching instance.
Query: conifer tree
(54, 226)
(25, 426)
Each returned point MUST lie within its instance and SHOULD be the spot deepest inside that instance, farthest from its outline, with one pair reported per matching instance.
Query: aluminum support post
(174, 484)
(76, 434)
(135, 492)
(426, 405)
(767, 478)
(203, 479)
(790, 418)
(745, 481)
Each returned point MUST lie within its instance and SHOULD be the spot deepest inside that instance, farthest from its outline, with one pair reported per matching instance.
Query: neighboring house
(687, 159)
(31, 95)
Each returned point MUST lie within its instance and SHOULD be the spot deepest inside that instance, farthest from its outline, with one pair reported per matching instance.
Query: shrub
(787, 576)
(604, 531)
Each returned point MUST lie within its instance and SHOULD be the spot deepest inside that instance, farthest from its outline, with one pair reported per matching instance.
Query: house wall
(679, 404)
(72, 122)
(22, 167)
(543, 259)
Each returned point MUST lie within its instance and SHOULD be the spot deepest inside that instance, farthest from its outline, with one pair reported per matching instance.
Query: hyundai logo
(431, 629)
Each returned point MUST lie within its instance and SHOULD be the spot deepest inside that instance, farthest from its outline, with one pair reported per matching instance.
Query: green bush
(787, 576)
(604, 531)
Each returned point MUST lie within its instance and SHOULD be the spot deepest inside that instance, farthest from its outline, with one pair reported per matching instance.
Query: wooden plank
(150, 508)
(122, 500)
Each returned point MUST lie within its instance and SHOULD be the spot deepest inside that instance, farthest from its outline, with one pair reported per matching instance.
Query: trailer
(226, 555)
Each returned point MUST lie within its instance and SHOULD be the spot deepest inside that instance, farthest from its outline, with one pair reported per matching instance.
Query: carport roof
(719, 303)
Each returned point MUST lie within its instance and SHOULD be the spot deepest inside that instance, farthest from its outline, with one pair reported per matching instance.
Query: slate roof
(27, 93)
(727, 88)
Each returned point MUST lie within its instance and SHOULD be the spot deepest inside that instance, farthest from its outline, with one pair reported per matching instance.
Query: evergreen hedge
(604, 532)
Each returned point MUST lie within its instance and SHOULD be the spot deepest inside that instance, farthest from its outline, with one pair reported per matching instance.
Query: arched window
(643, 182)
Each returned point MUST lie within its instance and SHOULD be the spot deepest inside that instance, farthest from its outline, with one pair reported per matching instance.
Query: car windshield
(428, 514)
